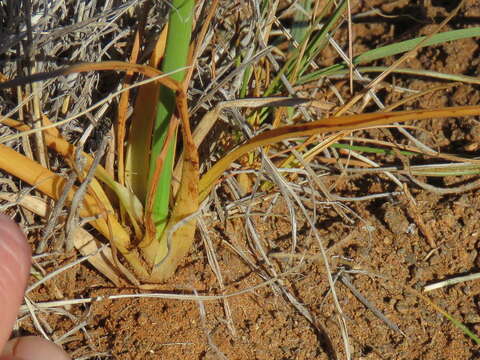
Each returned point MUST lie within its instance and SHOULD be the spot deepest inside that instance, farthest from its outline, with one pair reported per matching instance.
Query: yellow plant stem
(186, 202)
(177, 239)
(52, 185)
(67, 150)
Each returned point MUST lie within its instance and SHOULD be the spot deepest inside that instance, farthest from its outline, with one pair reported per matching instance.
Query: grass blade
(332, 124)
(176, 54)
(140, 134)
(393, 49)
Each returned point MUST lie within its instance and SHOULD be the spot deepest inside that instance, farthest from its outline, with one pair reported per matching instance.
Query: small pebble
(142, 319)
(449, 220)
(434, 259)
(466, 290)
(419, 285)
(472, 255)
(402, 306)
(411, 259)
(472, 318)
(421, 273)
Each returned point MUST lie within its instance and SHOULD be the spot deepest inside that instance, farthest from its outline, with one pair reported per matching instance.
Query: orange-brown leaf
(341, 123)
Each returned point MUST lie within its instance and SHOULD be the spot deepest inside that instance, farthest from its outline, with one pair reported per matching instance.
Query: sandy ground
(390, 246)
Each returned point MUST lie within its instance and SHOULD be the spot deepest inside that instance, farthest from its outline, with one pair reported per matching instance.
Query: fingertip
(33, 348)
(15, 259)
(11, 233)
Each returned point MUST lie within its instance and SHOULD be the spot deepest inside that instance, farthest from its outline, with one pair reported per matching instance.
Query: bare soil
(386, 250)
